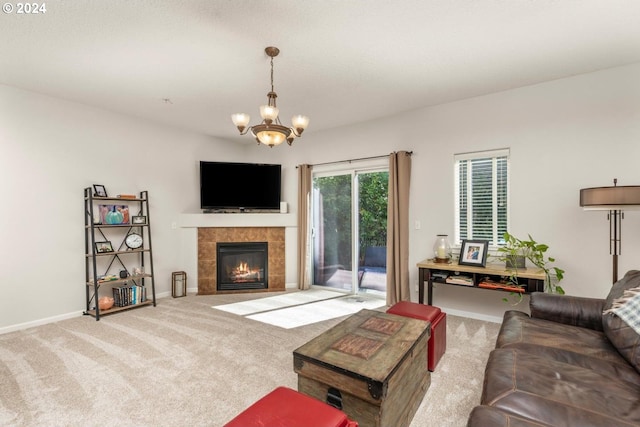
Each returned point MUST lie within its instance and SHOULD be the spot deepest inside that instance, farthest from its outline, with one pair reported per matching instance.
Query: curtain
(304, 193)
(398, 228)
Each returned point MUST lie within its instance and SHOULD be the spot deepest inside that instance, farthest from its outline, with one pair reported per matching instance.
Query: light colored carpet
(306, 314)
(183, 364)
(288, 299)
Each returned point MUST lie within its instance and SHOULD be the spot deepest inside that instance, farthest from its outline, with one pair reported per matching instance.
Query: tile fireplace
(230, 259)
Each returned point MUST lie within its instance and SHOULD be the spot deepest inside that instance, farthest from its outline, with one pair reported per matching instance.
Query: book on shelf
(127, 295)
(460, 280)
(440, 275)
(487, 283)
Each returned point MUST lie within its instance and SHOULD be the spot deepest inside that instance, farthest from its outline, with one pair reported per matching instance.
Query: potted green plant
(515, 248)
(514, 252)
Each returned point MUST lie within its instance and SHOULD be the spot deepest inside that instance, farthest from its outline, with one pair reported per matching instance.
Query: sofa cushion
(556, 393)
(483, 416)
(564, 343)
(567, 309)
(518, 328)
(622, 335)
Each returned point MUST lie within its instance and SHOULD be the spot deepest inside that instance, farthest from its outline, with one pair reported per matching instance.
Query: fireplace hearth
(242, 266)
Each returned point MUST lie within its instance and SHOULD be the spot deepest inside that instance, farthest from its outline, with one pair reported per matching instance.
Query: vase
(516, 261)
(105, 303)
(442, 249)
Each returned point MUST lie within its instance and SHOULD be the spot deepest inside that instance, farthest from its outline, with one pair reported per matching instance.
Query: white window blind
(482, 195)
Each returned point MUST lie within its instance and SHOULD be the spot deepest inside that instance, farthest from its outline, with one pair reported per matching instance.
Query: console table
(492, 277)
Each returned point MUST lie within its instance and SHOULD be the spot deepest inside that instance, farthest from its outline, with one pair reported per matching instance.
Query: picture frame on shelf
(103, 247)
(99, 190)
(474, 253)
(139, 219)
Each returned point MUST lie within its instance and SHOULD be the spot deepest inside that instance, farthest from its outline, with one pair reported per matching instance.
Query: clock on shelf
(133, 240)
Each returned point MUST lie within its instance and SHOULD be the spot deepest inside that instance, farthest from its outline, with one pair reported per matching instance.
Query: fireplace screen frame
(237, 249)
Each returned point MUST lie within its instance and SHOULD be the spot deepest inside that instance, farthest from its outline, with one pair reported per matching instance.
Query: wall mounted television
(239, 187)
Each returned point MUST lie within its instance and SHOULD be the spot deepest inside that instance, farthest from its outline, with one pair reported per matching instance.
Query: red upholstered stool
(284, 407)
(438, 341)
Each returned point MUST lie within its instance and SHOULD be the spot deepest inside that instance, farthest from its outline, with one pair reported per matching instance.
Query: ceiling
(192, 63)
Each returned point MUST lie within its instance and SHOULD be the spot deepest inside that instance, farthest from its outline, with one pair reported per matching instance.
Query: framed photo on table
(474, 252)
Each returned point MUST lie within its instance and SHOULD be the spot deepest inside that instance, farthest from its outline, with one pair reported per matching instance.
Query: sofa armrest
(570, 310)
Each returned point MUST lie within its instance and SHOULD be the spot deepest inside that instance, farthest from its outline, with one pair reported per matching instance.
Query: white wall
(563, 135)
(50, 150)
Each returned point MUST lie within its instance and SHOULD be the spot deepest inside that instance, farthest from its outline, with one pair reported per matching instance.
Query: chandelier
(270, 131)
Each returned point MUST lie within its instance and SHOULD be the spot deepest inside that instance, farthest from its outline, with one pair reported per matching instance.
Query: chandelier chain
(272, 90)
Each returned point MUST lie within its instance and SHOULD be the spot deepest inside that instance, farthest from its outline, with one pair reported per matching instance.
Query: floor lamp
(613, 199)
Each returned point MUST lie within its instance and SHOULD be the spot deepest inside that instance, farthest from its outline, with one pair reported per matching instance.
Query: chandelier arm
(246, 130)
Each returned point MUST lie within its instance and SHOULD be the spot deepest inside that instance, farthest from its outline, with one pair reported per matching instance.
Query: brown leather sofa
(567, 364)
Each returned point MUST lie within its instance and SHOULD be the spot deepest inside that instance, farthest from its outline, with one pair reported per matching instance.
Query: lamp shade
(610, 198)
(271, 137)
(300, 122)
(268, 112)
(240, 119)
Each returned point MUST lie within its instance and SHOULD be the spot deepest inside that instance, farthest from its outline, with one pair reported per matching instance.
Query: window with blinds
(482, 196)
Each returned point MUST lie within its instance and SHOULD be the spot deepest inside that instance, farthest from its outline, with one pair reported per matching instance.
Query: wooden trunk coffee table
(372, 366)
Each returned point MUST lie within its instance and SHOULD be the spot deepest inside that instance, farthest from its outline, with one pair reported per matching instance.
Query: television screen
(239, 186)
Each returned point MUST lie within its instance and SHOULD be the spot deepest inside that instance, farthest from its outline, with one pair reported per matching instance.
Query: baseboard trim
(471, 315)
(39, 322)
(46, 320)
(53, 319)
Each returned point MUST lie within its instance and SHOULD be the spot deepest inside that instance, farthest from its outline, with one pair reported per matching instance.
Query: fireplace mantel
(191, 223)
(238, 220)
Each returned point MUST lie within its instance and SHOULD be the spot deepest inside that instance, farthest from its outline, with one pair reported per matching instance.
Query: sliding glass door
(349, 227)
(332, 227)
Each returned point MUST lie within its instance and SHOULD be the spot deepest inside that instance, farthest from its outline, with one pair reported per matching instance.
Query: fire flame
(243, 273)
(243, 267)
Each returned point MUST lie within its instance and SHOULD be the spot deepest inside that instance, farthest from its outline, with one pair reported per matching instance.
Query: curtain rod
(355, 160)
